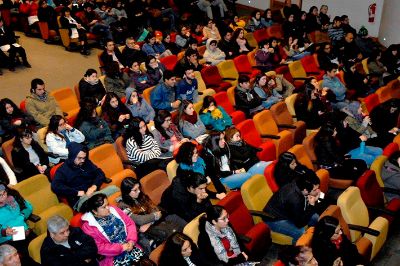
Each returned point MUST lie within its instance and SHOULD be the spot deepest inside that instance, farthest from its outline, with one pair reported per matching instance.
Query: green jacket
(42, 110)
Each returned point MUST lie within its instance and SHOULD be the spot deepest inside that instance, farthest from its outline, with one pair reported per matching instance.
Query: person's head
(261, 80)
(177, 246)
(151, 38)
(326, 48)
(189, 73)
(215, 143)
(135, 66)
(290, 17)
(313, 11)
(238, 34)
(151, 62)
(268, 14)
(256, 14)
(191, 55)
(38, 87)
(273, 42)
(130, 42)
(308, 184)
(58, 228)
(91, 75)
(8, 107)
(137, 128)
(331, 70)
(57, 124)
(169, 78)
(109, 45)
(163, 120)
(23, 137)
(130, 190)
(327, 229)
(166, 37)
(297, 255)
(187, 153)
(303, 15)
(349, 37)
(232, 134)
(184, 30)
(187, 108)
(88, 7)
(193, 44)
(324, 9)
(287, 160)
(228, 34)
(9, 256)
(98, 205)
(112, 69)
(326, 132)
(217, 216)
(111, 101)
(345, 19)
(210, 23)
(195, 183)
(66, 12)
(86, 113)
(208, 101)
(212, 45)
(337, 21)
(244, 82)
(43, 3)
(77, 154)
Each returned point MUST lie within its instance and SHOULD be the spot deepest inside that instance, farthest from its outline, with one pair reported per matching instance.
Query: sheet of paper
(20, 235)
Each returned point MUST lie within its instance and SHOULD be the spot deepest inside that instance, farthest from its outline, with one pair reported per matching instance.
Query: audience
(246, 98)
(189, 122)
(9, 256)
(187, 87)
(139, 79)
(163, 96)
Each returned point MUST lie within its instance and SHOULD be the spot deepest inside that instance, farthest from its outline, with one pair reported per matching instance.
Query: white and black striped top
(147, 151)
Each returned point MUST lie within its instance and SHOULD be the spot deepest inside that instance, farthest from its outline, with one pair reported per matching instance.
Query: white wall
(260, 4)
(357, 10)
(389, 31)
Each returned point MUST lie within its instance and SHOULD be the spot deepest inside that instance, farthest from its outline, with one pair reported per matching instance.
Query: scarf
(337, 242)
(236, 143)
(42, 97)
(190, 118)
(215, 114)
(91, 82)
(215, 239)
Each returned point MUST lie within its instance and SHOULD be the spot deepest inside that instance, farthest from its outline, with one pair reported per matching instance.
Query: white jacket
(58, 145)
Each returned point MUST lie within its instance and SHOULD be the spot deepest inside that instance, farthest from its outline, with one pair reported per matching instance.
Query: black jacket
(7, 123)
(213, 169)
(7, 36)
(245, 105)
(66, 25)
(327, 152)
(132, 55)
(87, 90)
(107, 59)
(82, 248)
(227, 47)
(243, 156)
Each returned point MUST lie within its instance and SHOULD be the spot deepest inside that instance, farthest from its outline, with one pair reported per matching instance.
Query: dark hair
(188, 67)
(159, 120)
(168, 74)
(243, 79)
(211, 143)
(394, 157)
(53, 126)
(325, 228)
(291, 255)
(112, 69)
(89, 72)
(35, 82)
(93, 203)
(20, 133)
(149, 36)
(337, 18)
(262, 43)
(213, 41)
(65, 9)
(236, 33)
(307, 182)
(148, 59)
(331, 67)
(192, 41)
(192, 179)
(254, 13)
(190, 52)
(374, 55)
(213, 212)
(312, 9)
(107, 41)
(185, 153)
(139, 205)
(285, 159)
(182, 108)
(206, 103)
(172, 251)
(85, 113)
(3, 111)
(258, 78)
(16, 195)
(133, 131)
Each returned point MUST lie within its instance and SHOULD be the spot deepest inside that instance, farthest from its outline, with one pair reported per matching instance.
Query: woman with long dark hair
(242, 45)
(59, 134)
(213, 115)
(116, 114)
(190, 124)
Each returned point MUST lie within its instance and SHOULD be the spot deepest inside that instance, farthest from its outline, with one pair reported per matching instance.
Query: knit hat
(363, 31)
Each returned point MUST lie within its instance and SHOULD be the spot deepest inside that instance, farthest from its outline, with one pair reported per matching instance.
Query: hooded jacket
(140, 109)
(213, 56)
(70, 178)
(42, 110)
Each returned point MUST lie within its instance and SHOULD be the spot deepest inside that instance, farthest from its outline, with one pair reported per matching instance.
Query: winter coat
(96, 132)
(217, 124)
(247, 101)
(87, 90)
(42, 110)
(141, 109)
(11, 216)
(215, 56)
(58, 145)
(162, 96)
(190, 130)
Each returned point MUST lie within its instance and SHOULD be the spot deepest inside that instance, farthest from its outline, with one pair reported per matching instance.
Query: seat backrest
(34, 247)
(77, 92)
(377, 166)
(261, 35)
(256, 193)
(394, 86)
(371, 191)
(201, 85)
(147, 93)
(6, 148)
(301, 155)
(211, 76)
(239, 216)
(251, 56)
(154, 185)
(390, 149)
(281, 114)
(197, 106)
(222, 100)
(265, 123)
(169, 61)
(269, 176)
(242, 64)
(309, 145)
(66, 99)
(308, 63)
(249, 133)
(384, 93)
(364, 63)
(334, 211)
(192, 229)
(371, 101)
(37, 191)
(106, 158)
(284, 70)
(297, 70)
(172, 167)
(227, 69)
(275, 31)
(353, 209)
(180, 55)
(290, 103)
(201, 50)
(41, 133)
(250, 39)
(231, 95)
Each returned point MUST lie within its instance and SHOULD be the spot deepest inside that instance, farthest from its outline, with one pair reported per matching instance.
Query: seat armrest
(52, 155)
(381, 211)
(312, 73)
(270, 136)
(391, 190)
(244, 73)
(133, 164)
(364, 229)
(302, 78)
(34, 218)
(229, 79)
(287, 126)
(262, 214)
(244, 238)
(200, 93)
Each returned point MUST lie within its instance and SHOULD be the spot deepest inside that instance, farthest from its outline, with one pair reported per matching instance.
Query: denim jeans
(102, 30)
(236, 180)
(206, 7)
(288, 228)
(271, 100)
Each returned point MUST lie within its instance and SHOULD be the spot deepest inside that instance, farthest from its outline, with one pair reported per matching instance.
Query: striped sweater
(147, 151)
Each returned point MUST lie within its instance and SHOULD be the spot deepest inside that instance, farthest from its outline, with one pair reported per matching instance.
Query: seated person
(155, 48)
(138, 106)
(187, 87)
(213, 55)
(75, 29)
(155, 70)
(132, 52)
(78, 178)
(190, 59)
(388, 127)
(91, 87)
(40, 105)
(110, 54)
(190, 124)
(294, 206)
(114, 233)
(256, 22)
(166, 133)
(93, 23)
(154, 226)
(280, 84)
(12, 118)
(116, 80)
(183, 37)
(9, 256)
(210, 31)
(218, 243)
(94, 128)
(246, 99)
(116, 114)
(46, 13)
(8, 43)
(142, 149)
(297, 255)
(242, 45)
(227, 44)
(264, 57)
(214, 116)
(170, 45)
(348, 49)
(264, 89)
(59, 134)
(139, 80)
(361, 85)
(28, 156)
(163, 96)
(65, 245)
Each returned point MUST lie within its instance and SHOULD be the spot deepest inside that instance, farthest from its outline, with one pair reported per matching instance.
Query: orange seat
(154, 184)
(6, 148)
(228, 71)
(147, 93)
(222, 99)
(251, 56)
(371, 101)
(68, 103)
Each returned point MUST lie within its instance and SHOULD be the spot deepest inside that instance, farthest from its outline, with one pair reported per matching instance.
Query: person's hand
(176, 104)
(211, 108)
(245, 256)
(10, 231)
(360, 56)
(363, 138)
(365, 81)
(17, 122)
(91, 190)
(188, 34)
(157, 215)
(321, 113)
(127, 116)
(271, 50)
(121, 118)
(201, 196)
(230, 53)
(41, 168)
(338, 262)
(102, 100)
(394, 130)
(143, 81)
(68, 127)
(94, 21)
(312, 199)
(127, 246)
(366, 121)
(81, 193)
(143, 228)
(220, 196)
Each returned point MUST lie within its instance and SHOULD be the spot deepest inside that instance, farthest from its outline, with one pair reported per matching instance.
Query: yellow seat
(377, 166)
(154, 184)
(290, 104)
(256, 193)
(146, 94)
(67, 101)
(172, 167)
(266, 125)
(35, 246)
(228, 71)
(192, 229)
(106, 158)
(201, 86)
(297, 70)
(231, 95)
(41, 133)
(355, 212)
(37, 191)
(364, 63)
(197, 106)
(250, 39)
(64, 35)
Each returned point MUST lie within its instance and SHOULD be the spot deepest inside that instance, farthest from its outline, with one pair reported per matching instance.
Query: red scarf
(190, 118)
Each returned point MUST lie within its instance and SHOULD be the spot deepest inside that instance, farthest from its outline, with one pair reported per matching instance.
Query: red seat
(22, 106)
(213, 79)
(251, 136)
(275, 31)
(311, 68)
(372, 195)
(222, 99)
(243, 66)
(76, 220)
(242, 222)
(261, 35)
(169, 61)
(390, 149)
(371, 101)
(284, 70)
(269, 175)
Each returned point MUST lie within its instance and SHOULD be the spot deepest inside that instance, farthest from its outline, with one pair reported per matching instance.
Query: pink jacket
(91, 227)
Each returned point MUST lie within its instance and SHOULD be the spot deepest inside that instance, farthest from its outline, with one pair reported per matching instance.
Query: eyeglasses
(225, 219)
(168, 120)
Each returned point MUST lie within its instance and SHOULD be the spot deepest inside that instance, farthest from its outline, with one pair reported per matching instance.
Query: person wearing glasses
(217, 241)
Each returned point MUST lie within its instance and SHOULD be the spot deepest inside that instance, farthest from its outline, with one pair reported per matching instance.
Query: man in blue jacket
(187, 86)
(163, 96)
